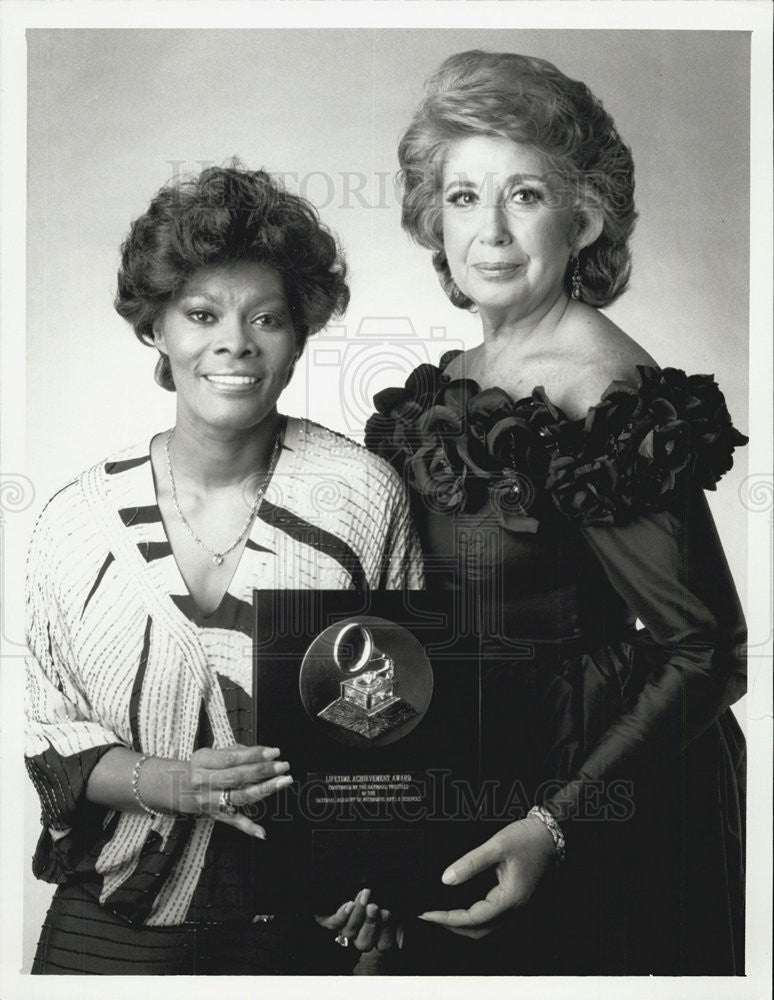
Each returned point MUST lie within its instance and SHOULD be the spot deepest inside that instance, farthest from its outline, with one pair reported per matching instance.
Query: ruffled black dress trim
(459, 445)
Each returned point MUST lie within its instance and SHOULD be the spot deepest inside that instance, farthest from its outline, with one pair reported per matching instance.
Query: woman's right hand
(248, 774)
(192, 787)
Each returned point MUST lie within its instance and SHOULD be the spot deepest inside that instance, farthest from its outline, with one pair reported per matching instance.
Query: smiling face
(231, 344)
(508, 231)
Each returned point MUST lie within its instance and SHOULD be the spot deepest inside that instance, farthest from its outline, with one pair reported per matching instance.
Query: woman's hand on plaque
(221, 782)
(362, 924)
(520, 853)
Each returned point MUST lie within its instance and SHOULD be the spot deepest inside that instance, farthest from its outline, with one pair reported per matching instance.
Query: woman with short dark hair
(221, 215)
(140, 578)
(566, 514)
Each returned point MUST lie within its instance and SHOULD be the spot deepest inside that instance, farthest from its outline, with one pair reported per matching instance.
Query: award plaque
(374, 700)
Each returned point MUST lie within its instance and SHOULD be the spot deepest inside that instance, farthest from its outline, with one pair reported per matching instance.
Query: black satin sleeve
(670, 569)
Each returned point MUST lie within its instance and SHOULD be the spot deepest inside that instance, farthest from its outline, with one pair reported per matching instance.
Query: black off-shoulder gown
(612, 643)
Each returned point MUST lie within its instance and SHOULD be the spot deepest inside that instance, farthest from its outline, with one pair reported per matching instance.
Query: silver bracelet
(550, 823)
(136, 788)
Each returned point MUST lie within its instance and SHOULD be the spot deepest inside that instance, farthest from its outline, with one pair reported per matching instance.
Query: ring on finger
(342, 940)
(225, 805)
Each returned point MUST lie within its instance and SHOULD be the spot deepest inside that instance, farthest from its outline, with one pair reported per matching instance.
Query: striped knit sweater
(121, 656)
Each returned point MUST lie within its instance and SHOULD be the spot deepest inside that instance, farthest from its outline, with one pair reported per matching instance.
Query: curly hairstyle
(530, 101)
(222, 215)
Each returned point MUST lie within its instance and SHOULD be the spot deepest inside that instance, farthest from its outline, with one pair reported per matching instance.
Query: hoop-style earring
(293, 364)
(163, 373)
(576, 280)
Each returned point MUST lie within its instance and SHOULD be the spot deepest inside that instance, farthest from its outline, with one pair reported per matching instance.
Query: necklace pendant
(217, 557)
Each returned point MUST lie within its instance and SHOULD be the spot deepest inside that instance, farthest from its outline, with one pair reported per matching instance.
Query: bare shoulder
(599, 352)
(461, 364)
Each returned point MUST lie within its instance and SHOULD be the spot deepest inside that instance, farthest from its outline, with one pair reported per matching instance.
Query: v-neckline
(201, 618)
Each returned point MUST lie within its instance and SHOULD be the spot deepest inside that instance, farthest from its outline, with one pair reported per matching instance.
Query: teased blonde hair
(530, 101)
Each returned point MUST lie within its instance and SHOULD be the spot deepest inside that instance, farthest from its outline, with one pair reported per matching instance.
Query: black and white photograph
(380, 300)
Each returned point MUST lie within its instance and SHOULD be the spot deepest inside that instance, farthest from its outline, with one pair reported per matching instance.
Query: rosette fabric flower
(637, 445)
(707, 438)
(379, 430)
(713, 435)
(584, 488)
(461, 446)
(511, 495)
(391, 431)
(435, 468)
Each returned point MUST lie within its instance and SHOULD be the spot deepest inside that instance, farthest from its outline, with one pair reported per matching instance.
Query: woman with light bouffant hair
(556, 475)
(525, 100)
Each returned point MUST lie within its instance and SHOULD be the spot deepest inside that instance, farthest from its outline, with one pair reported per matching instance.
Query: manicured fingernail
(281, 766)
(349, 907)
(423, 916)
(284, 781)
(399, 938)
(371, 911)
(449, 877)
(364, 896)
(270, 753)
(260, 833)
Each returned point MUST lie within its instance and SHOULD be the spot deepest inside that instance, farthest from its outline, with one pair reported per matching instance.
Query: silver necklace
(217, 557)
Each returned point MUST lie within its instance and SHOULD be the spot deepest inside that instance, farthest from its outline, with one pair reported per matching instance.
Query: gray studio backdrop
(113, 114)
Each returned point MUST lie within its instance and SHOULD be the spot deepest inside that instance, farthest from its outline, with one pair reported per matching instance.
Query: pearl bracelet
(550, 823)
(136, 788)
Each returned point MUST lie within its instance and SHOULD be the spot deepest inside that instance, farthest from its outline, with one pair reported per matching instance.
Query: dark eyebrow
(515, 178)
(464, 184)
(458, 182)
(196, 294)
(272, 300)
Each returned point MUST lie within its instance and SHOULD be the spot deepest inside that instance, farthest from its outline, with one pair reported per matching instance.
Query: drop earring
(576, 280)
